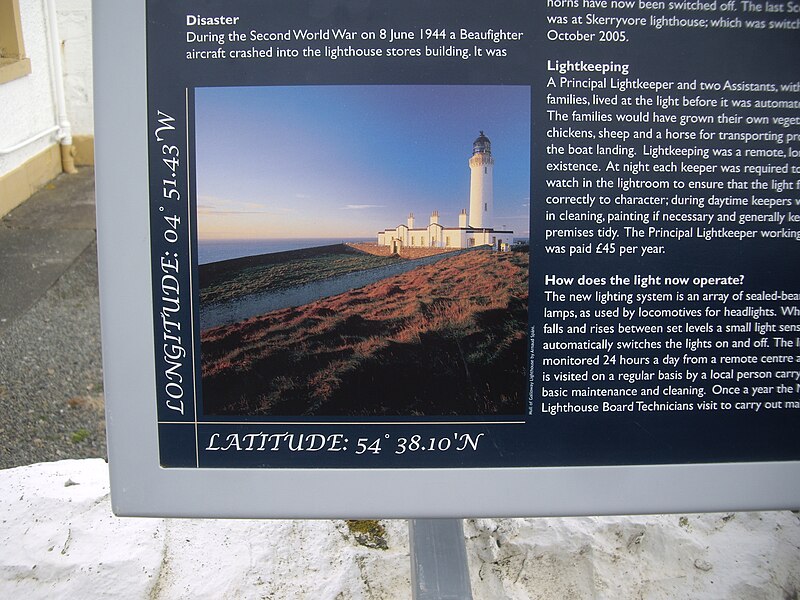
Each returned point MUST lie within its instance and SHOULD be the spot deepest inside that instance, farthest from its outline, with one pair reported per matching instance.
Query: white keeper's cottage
(46, 91)
(474, 228)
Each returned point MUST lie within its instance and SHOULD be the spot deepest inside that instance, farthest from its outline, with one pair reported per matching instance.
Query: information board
(447, 259)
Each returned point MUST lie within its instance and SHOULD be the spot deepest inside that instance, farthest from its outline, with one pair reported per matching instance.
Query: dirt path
(253, 305)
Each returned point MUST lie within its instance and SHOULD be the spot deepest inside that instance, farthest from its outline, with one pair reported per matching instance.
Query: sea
(210, 251)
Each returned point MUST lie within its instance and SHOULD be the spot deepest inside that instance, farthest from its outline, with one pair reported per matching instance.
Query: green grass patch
(79, 436)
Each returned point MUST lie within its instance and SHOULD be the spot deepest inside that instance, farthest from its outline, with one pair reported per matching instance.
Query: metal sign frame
(140, 486)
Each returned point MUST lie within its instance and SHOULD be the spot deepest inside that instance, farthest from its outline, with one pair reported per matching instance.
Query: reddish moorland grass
(444, 339)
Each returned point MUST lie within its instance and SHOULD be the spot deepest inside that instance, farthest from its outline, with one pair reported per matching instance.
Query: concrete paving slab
(32, 261)
(67, 202)
(42, 238)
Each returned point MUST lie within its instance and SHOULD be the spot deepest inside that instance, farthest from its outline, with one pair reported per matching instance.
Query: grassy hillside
(232, 279)
(445, 339)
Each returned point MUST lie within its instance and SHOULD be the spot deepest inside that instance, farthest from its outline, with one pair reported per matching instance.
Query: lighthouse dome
(482, 145)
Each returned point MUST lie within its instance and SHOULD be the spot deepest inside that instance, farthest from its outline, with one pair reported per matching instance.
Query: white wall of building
(28, 104)
(75, 31)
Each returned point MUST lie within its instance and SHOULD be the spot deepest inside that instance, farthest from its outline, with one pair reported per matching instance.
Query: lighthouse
(475, 227)
(481, 164)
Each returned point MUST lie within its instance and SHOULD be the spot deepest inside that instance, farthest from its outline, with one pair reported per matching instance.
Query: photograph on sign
(309, 306)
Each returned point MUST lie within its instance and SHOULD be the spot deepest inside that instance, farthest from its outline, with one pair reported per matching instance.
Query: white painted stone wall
(75, 31)
(28, 104)
(60, 540)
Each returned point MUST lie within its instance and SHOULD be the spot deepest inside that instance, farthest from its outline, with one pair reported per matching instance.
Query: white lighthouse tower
(475, 229)
(480, 186)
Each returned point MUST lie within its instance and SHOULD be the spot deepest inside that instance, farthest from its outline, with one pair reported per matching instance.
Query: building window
(485, 207)
(486, 170)
(13, 62)
(447, 241)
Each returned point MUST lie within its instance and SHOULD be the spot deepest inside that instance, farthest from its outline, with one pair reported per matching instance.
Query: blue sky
(348, 161)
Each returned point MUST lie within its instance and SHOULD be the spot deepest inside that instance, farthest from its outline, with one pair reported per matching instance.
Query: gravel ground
(51, 390)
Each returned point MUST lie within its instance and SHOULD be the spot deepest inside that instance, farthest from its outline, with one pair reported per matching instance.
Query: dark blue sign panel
(460, 235)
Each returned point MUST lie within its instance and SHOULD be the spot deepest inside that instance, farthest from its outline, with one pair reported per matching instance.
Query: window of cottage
(13, 62)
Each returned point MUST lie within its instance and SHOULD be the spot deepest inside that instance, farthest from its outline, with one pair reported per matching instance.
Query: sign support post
(438, 560)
